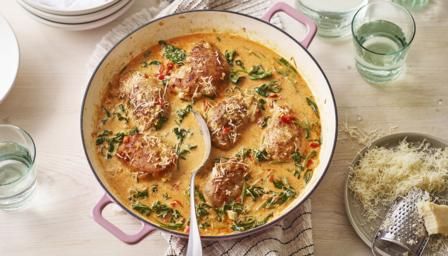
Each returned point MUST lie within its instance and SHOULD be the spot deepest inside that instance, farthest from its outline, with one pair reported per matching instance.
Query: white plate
(9, 60)
(70, 11)
(75, 18)
(367, 229)
(86, 25)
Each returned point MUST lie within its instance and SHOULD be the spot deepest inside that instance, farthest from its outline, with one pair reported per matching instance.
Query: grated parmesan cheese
(383, 174)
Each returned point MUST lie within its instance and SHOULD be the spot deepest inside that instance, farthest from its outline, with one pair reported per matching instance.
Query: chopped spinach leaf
(121, 113)
(235, 76)
(267, 88)
(264, 121)
(202, 210)
(107, 115)
(261, 104)
(183, 112)
(296, 157)
(166, 196)
(254, 192)
(249, 222)
(141, 208)
(155, 62)
(230, 206)
(154, 188)
(313, 106)
(180, 133)
(173, 53)
(204, 225)
(258, 72)
(261, 155)
(243, 153)
(278, 198)
(161, 120)
(286, 64)
(112, 141)
(230, 55)
(199, 194)
(174, 226)
(138, 194)
(307, 176)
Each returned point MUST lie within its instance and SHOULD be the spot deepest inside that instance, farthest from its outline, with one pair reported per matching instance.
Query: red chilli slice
(314, 145)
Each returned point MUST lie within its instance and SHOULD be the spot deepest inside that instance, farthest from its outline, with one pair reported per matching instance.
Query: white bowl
(10, 57)
(75, 19)
(79, 11)
(83, 25)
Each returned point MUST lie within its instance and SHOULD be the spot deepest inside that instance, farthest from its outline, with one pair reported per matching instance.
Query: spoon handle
(194, 238)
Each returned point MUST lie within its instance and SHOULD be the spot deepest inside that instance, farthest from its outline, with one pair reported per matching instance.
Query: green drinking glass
(412, 4)
(382, 34)
(17, 167)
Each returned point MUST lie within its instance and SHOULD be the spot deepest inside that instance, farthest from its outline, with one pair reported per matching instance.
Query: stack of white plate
(75, 14)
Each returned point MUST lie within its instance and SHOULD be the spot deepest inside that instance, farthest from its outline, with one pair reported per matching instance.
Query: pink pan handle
(295, 14)
(114, 230)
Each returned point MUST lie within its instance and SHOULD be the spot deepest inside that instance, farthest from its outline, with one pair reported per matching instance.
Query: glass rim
(363, 3)
(28, 135)
(414, 27)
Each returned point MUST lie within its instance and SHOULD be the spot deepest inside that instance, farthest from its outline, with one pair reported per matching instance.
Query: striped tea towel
(292, 235)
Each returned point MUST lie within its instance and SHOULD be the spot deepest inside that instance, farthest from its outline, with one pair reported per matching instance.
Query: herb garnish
(267, 88)
(173, 53)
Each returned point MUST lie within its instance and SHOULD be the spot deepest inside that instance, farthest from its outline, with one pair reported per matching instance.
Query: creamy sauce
(171, 187)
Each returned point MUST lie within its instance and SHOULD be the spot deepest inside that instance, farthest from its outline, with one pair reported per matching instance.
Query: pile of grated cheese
(383, 174)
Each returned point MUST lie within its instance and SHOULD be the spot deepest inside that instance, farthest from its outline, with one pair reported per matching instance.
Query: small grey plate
(366, 230)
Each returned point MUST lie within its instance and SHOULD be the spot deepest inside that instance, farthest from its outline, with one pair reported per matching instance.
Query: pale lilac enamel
(114, 230)
(295, 14)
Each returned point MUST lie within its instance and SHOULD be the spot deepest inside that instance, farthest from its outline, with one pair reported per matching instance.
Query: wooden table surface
(46, 101)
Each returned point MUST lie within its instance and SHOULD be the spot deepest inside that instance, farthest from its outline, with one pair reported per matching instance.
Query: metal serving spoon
(194, 238)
